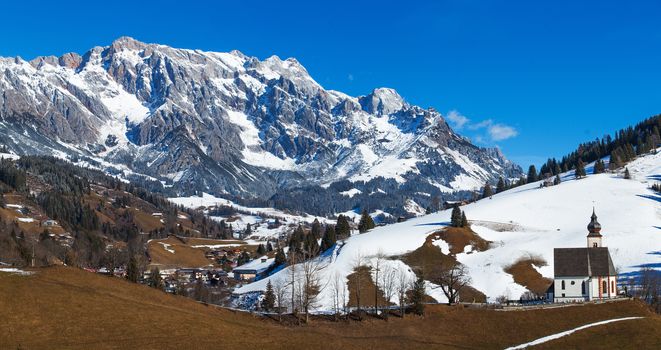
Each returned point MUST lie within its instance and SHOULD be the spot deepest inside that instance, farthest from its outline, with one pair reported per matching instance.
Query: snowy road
(565, 333)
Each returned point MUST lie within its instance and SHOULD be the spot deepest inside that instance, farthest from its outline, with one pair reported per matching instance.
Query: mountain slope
(230, 124)
(522, 222)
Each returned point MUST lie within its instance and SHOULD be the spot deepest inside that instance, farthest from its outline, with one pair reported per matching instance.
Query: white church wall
(572, 290)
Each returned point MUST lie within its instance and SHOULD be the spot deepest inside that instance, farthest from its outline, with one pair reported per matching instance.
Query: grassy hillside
(60, 307)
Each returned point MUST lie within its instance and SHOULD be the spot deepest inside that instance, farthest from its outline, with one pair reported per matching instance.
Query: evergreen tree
(280, 257)
(268, 303)
(455, 217)
(627, 175)
(342, 229)
(580, 169)
(366, 223)
(132, 273)
(418, 296)
(311, 245)
(269, 246)
(155, 280)
(261, 250)
(244, 258)
(316, 229)
(464, 220)
(557, 180)
(532, 174)
(501, 185)
(329, 238)
(487, 191)
(599, 167)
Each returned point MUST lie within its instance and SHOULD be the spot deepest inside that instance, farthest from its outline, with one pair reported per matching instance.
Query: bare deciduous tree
(402, 284)
(357, 265)
(388, 285)
(452, 278)
(280, 291)
(339, 295)
(377, 267)
(311, 285)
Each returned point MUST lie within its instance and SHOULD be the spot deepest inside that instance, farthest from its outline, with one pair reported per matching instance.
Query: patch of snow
(352, 192)
(167, 246)
(15, 271)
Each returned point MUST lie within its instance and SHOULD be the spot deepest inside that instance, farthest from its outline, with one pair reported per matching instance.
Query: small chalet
(584, 274)
(254, 270)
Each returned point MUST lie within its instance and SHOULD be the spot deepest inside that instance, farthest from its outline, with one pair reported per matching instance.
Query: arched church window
(604, 287)
(563, 284)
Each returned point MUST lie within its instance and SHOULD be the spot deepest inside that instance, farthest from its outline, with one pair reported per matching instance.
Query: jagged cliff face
(228, 123)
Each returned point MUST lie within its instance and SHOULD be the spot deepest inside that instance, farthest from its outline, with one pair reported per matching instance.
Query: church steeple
(594, 229)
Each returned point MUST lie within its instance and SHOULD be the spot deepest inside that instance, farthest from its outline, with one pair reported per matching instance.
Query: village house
(584, 274)
(254, 270)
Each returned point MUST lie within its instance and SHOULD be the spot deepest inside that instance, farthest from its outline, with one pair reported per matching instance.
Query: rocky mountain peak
(232, 124)
(382, 101)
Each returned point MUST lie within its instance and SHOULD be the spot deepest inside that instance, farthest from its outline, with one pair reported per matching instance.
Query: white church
(584, 274)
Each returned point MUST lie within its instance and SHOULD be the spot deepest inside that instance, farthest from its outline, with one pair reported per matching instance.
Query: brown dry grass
(459, 237)
(63, 308)
(526, 275)
(184, 255)
(361, 281)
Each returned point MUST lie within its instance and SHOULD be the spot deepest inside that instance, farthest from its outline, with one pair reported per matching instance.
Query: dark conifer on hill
(464, 220)
(155, 280)
(132, 270)
(342, 229)
(487, 191)
(501, 186)
(268, 303)
(455, 217)
(627, 175)
(329, 238)
(280, 257)
(599, 167)
(366, 223)
(579, 172)
(557, 180)
(261, 250)
(418, 296)
(316, 229)
(310, 246)
(532, 174)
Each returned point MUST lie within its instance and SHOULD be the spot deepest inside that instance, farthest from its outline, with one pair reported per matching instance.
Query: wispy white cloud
(350, 77)
(457, 119)
(499, 132)
(494, 131)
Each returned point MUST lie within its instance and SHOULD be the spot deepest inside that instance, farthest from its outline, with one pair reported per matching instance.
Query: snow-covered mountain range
(230, 124)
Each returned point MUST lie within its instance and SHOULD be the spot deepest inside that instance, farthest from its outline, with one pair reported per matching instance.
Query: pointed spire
(594, 227)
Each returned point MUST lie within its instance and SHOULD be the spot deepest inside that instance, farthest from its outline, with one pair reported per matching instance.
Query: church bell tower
(594, 229)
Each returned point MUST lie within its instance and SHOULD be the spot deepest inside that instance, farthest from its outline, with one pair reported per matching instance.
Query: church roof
(576, 262)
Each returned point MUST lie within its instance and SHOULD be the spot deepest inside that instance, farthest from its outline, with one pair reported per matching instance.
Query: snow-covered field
(523, 221)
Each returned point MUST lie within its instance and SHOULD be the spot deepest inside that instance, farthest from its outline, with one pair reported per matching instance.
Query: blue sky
(534, 78)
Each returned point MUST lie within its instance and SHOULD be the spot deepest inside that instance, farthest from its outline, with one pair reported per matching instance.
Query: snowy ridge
(228, 123)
